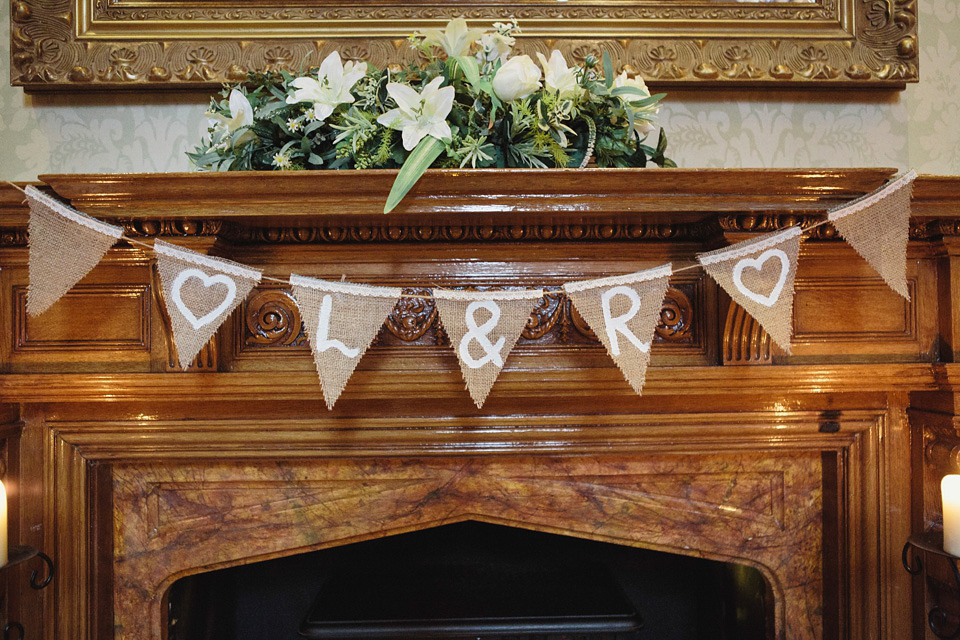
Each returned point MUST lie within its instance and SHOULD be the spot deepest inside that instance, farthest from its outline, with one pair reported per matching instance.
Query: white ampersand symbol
(480, 335)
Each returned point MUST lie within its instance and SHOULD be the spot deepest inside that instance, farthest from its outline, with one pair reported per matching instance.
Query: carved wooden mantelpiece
(131, 473)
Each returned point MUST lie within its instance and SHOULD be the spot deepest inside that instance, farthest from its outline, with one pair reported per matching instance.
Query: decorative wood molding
(272, 320)
(95, 44)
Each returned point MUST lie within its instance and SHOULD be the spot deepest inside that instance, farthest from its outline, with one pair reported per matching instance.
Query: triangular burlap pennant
(64, 246)
(623, 311)
(877, 226)
(483, 327)
(200, 292)
(758, 274)
(341, 320)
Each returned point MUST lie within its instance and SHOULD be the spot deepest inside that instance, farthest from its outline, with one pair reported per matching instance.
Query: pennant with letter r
(624, 311)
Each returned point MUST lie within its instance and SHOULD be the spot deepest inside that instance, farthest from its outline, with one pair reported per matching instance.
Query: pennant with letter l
(483, 327)
(64, 245)
(200, 292)
(341, 321)
(758, 275)
(877, 226)
(623, 311)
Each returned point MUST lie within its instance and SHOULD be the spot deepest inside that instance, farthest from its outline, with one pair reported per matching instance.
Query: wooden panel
(852, 309)
(92, 318)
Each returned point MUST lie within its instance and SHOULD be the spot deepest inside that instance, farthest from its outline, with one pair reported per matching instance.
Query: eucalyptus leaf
(416, 163)
(607, 70)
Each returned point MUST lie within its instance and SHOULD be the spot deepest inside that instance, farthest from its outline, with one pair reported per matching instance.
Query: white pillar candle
(950, 492)
(3, 525)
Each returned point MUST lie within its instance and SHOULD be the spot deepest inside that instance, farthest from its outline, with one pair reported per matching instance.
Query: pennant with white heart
(200, 292)
(758, 274)
(341, 320)
(623, 311)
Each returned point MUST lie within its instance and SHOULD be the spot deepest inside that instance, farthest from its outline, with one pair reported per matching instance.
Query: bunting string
(342, 319)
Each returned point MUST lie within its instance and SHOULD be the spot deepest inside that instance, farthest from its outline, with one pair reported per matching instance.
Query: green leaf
(416, 163)
(607, 70)
(470, 68)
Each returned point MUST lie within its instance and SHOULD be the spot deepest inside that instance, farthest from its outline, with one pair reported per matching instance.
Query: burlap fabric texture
(341, 321)
(758, 274)
(878, 227)
(64, 246)
(483, 327)
(623, 312)
(200, 292)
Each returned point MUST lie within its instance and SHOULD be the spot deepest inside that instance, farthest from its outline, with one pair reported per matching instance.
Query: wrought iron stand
(18, 555)
(932, 542)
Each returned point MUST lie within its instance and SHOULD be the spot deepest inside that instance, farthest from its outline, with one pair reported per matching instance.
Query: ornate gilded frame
(121, 44)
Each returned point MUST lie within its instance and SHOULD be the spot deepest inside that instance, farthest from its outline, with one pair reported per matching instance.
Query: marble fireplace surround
(135, 475)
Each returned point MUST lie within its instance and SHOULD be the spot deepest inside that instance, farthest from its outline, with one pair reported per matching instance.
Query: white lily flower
(642, 116)
(455, 39)
(419, 114)
(558, 77)
(331, 88)
(241, 115)
(494, 46)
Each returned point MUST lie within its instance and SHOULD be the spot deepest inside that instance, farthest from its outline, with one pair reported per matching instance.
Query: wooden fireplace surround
(813, 468)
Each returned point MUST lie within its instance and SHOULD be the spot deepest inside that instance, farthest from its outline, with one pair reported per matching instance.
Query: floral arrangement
(471, 103)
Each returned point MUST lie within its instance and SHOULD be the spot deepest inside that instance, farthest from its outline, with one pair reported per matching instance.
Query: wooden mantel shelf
(693, 381)
(283, 197)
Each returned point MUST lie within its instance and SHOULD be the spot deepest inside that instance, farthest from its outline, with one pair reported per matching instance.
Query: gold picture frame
(124, 44)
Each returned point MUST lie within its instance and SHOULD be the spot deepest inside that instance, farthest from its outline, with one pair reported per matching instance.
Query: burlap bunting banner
(64, 246)
(341, 320)
(623, 311)
(877, 226)
(483, 327)
(758, 274)
(200, 292)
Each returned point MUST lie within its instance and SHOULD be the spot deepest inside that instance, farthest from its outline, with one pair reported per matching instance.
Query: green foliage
(595, 116)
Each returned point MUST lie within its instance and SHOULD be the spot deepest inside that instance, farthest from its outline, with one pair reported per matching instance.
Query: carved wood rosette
(118, 45)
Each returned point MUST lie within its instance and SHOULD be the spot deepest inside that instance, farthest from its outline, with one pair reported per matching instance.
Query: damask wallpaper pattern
(918, 128)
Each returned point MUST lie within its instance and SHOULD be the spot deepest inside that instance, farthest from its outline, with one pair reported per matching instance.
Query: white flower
(642, 116)
(557, 77)
(331, 88)
(494, 46)
(455, 39)
(281, 160)
(419, 115)
(517, 78)
(241, 115)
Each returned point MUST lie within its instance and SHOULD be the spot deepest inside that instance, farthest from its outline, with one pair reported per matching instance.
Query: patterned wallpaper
(918, 128)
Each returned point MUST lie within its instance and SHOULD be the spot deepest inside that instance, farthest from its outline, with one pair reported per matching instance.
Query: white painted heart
(208, 281)
(757, 263)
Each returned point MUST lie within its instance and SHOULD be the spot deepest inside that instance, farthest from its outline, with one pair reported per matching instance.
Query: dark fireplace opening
(475, 580)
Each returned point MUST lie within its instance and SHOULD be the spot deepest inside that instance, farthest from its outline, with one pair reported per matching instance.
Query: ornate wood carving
(744, 340)
(603, 232)
(100, 44)
(272, 320)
